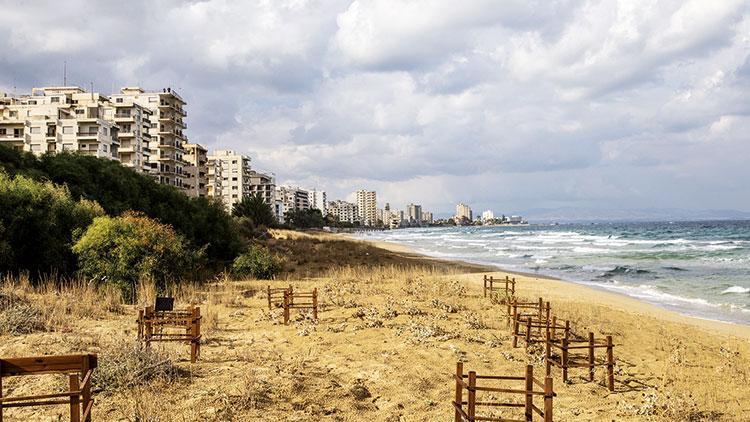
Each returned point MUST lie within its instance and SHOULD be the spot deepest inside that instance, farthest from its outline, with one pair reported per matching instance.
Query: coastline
(556, 289)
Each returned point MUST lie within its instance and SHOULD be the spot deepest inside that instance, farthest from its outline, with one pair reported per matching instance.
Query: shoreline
(566, 290)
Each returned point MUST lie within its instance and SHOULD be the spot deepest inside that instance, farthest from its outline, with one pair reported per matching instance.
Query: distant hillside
(570, 214)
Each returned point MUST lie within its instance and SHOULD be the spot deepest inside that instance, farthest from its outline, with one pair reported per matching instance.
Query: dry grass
(383, 350)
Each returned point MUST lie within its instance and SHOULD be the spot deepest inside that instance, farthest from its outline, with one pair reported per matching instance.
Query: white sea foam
(736, 289)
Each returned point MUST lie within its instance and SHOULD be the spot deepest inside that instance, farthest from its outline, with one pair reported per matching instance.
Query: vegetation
(38, 223)
(304, 219)
(257, 262)
(256, 210)
(124, 250)
(203, 223)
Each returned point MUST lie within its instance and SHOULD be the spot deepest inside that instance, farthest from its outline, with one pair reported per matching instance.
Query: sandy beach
(555, 289)
(392, 325)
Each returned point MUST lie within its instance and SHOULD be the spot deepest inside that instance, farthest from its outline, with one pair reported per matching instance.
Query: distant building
(264, 185)
(293, 198)
(463, 212)
(427, 217)
(235, 175)
(343, 211)
(214, 178)
(414, 214)
(367, 207)
(195, 182)
(515, 219)
(319, 201)
(488, 215)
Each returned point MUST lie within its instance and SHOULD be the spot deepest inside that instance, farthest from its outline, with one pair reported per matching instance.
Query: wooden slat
(36, 403)
(39, 396)
(41, 365)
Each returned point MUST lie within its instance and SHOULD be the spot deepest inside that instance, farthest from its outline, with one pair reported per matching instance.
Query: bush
(38, 224)
(123, 250)
(202, 221)
(257, 262)
(130, 364)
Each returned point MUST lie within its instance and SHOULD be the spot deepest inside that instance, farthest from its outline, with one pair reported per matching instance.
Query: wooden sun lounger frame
(78, 397)
(509, 289)
(565, 361)
(152, 324)
(275, 296)
(309, 300)
(465, 410)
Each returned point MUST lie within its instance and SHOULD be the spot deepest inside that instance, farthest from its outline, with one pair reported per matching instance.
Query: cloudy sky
(507, 105)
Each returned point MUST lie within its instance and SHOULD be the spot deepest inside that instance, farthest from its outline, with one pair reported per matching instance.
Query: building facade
(167, 141)
(235, 175)
(293, 198)
(414, 214)
(427, 217)
(57, 119)
(367, 207)
(195, 182)
(342, 211)
(463, 211)
(318, 201)
(488, 215)
(264, 185)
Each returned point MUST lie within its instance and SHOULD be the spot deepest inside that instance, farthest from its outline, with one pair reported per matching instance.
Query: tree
(127, 249)
(256, 209)
(38, 224)
(304, 219)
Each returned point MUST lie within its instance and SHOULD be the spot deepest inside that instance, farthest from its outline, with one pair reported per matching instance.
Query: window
(54, 99)
(32, 102)
(36, 147)
(2, 131)
(36, 130)
(234, 161)
(67, 130)
(119, 100)
(152, 99)
(234, 179)
(80, 111)
(104, 148)
(13, 114)
(234, 196)
(67, 147)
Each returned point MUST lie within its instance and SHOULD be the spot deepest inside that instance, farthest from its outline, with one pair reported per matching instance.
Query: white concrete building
(463, 211)
(318, 201)
(195, 182)
(263, 184)
(235, 175)
(488, 215)
(57, 119)
(427, 217)
(166, 161)
(293, 198)
(343, 211)
(367, 207)
(414, 213)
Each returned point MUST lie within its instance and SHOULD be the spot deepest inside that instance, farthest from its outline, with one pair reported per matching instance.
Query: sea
(700, 269)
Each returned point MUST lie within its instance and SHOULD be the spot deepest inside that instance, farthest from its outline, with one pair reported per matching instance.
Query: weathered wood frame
(152, 325)
(79, 369)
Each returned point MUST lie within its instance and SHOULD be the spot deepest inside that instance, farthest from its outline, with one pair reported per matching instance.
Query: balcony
(87, 135)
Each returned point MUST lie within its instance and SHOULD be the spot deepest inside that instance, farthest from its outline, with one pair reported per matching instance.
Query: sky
(503, 105)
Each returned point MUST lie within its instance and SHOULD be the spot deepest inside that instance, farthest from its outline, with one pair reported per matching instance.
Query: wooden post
(485, 285)
(554, 327)
(459, 390)
(528, 331)
(591, 356)
(75, 400)
(269, 297)
(513, 287)
(541, 306)
(472, 395)
(86, 392)
(610, 365)
(140, 324)
(515, 327)
(565, 358)
(546, 317)
(286, 307)
(315, 303)
(149, 315)
(566, 334)
(548, 394)
(528, 411)
(195, 343)
(548, 354)
(291, 295)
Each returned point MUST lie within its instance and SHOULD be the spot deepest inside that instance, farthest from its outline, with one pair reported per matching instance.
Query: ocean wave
(623, 269)
(736, 289)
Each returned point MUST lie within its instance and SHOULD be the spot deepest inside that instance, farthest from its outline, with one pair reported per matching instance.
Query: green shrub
(123, 250)
(38, 224)
(257, 262)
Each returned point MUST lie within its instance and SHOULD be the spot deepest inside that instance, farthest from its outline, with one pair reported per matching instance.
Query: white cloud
(507, 104)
